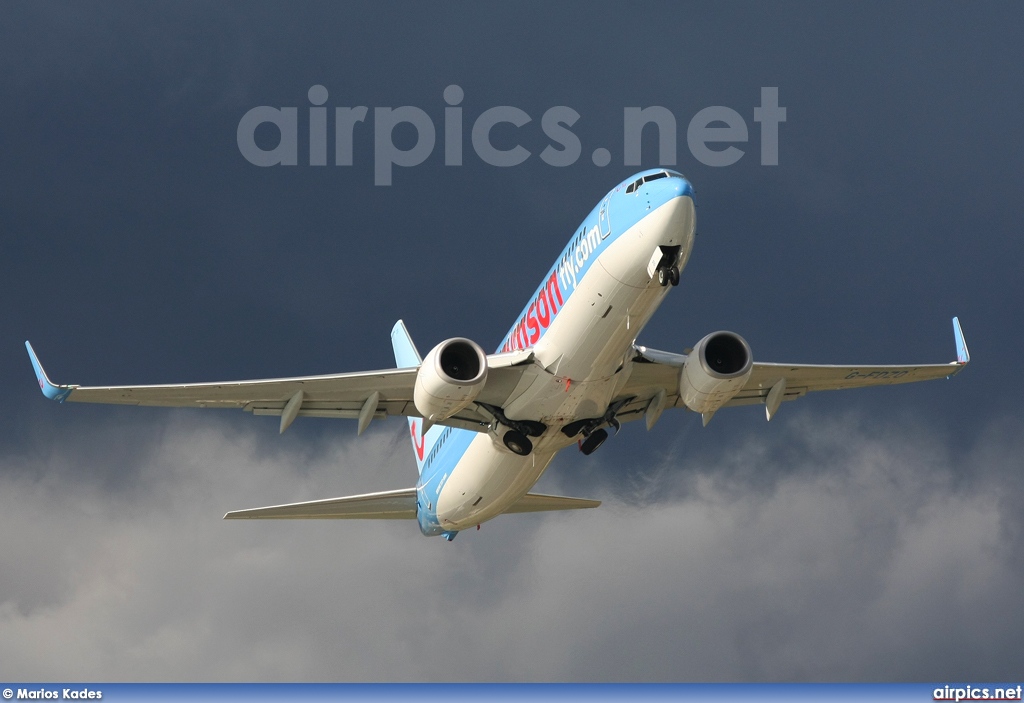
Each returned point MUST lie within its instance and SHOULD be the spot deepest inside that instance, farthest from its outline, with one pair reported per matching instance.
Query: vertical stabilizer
(407, 356)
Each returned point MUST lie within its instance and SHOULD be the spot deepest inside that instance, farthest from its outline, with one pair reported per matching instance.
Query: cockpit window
(640, 181)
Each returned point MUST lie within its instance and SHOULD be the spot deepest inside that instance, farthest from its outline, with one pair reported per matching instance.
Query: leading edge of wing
(385, 505)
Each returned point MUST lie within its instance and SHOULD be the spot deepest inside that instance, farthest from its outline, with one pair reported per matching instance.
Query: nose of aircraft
(678, 185)
(660, 189)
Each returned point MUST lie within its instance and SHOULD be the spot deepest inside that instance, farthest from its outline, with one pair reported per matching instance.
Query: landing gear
(595, 440)
(524, 428)
(517, 442)
(531, 428)
(668, 265)
(668, 276)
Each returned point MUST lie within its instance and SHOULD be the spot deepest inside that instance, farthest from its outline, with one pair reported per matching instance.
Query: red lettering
(538, 317)
(543, 313)
(531, 323)
(553, 285)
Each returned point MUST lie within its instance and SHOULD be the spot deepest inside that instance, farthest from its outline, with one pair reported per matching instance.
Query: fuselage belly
(581, 326)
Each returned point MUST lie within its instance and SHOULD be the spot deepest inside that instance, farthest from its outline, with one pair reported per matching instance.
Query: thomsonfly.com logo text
(712, 134)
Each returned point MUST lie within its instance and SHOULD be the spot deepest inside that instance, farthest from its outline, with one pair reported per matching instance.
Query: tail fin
(406, 356)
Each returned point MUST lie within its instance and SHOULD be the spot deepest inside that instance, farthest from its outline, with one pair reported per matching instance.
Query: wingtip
(963, 356)
(49, 389)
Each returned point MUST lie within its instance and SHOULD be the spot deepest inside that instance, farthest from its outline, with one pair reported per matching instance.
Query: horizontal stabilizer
(538, 502)
(386, 505)
(389, 505)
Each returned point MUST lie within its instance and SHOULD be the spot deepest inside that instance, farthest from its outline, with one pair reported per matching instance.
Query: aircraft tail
(407, 356)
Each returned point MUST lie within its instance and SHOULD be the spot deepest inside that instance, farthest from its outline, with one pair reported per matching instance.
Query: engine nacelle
(715, 371)
(450, 378)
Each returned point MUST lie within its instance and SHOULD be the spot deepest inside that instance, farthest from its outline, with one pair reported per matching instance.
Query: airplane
(485, 427)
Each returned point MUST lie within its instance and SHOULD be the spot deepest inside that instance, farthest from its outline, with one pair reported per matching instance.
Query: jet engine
(715, 371)
(450, 378)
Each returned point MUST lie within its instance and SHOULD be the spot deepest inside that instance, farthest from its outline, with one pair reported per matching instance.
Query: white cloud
(835, 550)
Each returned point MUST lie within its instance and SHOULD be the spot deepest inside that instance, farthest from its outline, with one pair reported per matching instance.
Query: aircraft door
(604, 222)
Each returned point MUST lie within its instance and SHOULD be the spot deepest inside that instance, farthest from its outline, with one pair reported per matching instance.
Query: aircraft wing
(654, 384)
(390, 505)
(364, 396)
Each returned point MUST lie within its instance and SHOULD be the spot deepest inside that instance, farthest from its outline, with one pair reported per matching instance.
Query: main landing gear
(517, 437)
(589, 445)
(517, 442)
(593, 433)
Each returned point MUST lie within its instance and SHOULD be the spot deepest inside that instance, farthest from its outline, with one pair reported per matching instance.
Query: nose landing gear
(668, 266)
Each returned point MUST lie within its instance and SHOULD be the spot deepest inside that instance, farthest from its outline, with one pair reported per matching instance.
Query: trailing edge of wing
(390, 505)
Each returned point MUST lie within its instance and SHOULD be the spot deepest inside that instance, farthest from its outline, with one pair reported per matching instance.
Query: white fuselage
(581, 361)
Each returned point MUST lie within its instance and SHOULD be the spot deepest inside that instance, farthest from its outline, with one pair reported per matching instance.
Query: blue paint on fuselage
(437, 467)
(616, 213)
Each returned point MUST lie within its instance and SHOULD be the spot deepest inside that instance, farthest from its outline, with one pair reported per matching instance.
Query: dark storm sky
(845, 540)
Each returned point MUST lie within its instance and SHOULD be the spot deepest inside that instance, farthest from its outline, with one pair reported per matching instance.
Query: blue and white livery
(484, 427)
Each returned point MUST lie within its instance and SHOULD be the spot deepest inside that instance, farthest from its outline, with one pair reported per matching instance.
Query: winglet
(406, 355)
(962, 355)
(51, 391)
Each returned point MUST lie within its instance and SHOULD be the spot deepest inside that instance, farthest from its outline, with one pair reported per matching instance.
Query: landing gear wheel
(595, 440)
(663, 277)
(517, 443)
(673, 276)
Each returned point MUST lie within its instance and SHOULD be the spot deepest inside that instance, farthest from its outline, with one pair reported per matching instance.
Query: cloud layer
(837, 549)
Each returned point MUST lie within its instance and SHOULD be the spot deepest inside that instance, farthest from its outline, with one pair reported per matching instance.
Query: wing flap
(385, 505)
